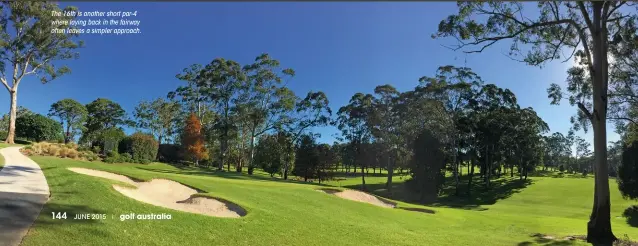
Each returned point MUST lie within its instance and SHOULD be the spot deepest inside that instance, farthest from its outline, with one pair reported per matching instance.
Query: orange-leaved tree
(193, 140)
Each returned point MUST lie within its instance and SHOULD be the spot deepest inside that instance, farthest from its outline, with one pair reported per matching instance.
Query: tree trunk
(471, 175)
(599, 226)
(12, 117)
(67, 133)
(456, 173)
(388, 184)
(363, 178)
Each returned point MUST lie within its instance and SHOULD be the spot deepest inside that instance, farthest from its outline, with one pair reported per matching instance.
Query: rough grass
(293, 213)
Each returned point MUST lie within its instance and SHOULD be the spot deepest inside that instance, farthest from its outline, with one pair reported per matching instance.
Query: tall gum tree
(585, 28)
(29, 46)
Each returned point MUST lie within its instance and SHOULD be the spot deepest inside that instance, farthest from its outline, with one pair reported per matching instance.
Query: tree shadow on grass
(499, 189)
(227, 175)
(546, 240)
(631, 213)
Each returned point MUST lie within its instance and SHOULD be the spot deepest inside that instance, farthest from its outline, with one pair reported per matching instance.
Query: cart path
(23, 192)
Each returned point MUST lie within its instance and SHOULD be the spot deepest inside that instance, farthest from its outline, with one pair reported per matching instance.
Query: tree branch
(620, 4)
(582, 107)
(583, 11)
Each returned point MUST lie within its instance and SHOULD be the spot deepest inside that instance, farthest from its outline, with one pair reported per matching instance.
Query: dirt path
(23, 192)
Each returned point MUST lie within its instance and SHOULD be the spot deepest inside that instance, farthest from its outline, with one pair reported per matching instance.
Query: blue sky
(339, 48)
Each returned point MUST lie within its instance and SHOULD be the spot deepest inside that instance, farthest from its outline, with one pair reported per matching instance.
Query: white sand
(169, 194)
(359, 196)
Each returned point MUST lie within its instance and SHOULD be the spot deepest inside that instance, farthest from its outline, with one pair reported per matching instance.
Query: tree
(37, 127)
(352, 121)
(264, 98)
(270, 152)
(220, 82)
(311, 111)
(30, 46)
(159, 117)
(327, 159)
(193, 141)
(306, 158)
(628, 172)
(582, 150)
(104, 122)
(4, 122)
(592, 26)
(72, 115)
(427, 166)
(383, 122)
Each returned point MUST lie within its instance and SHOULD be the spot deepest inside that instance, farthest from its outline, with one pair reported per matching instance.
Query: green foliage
(104, 118)
(141, 147)
(306, 158)
(271, 153)
(112, 157)
(72, 114)
(628, 172)
(169, 153)
(37, 127)
(159, 117)
(427, 166)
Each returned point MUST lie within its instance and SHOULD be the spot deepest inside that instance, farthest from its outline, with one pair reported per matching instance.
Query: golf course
(546, 212)
(277, 123)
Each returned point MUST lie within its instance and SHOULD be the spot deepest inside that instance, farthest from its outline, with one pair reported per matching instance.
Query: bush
(37, 127)
(52, 150)
(62, 153)
(88, 155)
(142, 147)
(126, 157)
(628, 172)
(169, 153)
(112, 157)
(96, 149)
(71, 153)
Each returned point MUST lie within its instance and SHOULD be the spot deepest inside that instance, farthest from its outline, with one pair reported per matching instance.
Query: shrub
(72, 145)
(126, 157)
(37, 127)
(71, 153)
(169, 153)
(88, 155)
(62, 153)
(96, 149)
(52, 150)
(628, 172)
(142, 147)
(112, 157)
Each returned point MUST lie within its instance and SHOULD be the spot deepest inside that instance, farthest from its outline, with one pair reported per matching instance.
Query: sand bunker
(359, 197)
(169, 194)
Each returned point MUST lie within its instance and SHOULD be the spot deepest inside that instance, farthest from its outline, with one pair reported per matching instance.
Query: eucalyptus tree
(311, 111)
(582, 150)
(352, 120)
(588, 29)
(490, 105)
(266, 99)
(455, 87)
(220, 82)
(72, 115)
(383, 122)
(190, 95)
(159, 117)
(30, 45)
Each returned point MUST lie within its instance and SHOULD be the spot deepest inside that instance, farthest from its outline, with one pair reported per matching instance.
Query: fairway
(292, 213)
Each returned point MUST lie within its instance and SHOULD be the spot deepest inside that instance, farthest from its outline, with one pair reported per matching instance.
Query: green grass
(293, 213)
